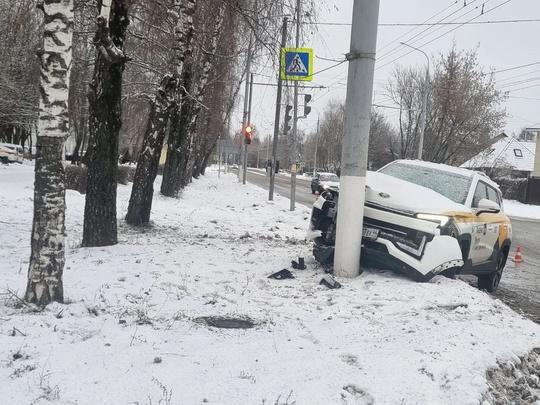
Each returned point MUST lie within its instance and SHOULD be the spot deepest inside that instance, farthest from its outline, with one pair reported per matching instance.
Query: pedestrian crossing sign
(297, 64)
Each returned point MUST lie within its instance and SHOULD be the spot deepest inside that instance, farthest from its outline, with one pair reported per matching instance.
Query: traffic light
(307, 99)
(288, 118)
(248, 131)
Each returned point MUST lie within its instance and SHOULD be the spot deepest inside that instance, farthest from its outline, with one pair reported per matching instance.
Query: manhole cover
(228, 323)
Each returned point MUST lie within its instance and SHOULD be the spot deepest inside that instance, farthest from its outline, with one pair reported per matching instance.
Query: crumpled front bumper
(431, 253)
(382, 254)
(441, 254)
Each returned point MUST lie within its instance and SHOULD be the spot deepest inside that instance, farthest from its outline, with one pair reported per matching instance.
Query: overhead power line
(436, 23)
(408, 32)
(449, 31)
(523, 88)
(426, 30)
(513, 68)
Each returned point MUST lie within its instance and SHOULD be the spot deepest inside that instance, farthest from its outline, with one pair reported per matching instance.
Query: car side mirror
(487, 206)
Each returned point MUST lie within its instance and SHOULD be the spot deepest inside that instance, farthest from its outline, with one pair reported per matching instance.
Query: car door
(485, 228)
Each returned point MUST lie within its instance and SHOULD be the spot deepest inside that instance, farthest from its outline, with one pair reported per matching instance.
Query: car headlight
(442, 220)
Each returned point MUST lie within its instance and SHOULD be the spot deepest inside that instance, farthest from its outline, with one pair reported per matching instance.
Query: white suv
(424, 219)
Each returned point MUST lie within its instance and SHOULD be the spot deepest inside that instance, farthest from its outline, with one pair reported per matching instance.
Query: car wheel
(490, 282)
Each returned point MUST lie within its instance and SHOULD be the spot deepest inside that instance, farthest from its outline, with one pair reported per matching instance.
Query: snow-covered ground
(135, 325)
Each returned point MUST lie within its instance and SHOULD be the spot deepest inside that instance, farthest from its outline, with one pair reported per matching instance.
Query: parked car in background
(12, 152)
(424, 219)
(323, 180)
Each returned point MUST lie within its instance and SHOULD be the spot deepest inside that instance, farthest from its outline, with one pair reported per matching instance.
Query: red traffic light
(248, 131)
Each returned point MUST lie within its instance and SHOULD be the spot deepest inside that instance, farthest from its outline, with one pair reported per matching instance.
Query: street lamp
(424, 102)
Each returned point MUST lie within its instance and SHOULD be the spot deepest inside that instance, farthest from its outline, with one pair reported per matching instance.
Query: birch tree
(20, 38)
(83, 58)
(177, 172)
(105, 96)
(167, 97)
(257, 20)
(221, 95)
(47, 256)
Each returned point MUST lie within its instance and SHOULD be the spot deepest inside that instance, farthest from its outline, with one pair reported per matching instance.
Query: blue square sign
(297, 64)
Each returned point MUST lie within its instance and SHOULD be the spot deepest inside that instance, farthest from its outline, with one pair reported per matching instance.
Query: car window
(329, 177)
(484, 190)
(449, 184)
(493, 195)
(479, 193)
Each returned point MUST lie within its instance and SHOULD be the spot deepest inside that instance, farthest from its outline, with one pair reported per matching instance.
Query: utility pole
(243, 148)
(361, 59)
(276, 120)
(294, 159)
(248, 122)
(316, 142)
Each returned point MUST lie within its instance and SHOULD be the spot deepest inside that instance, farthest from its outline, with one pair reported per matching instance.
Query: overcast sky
(504, 36)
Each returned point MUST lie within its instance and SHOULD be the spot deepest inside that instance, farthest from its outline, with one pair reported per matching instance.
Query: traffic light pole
(243, 151)
(276, 120)
(294, 157)
(248, 120)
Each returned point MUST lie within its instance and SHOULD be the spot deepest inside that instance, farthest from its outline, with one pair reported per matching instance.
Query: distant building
(516, 156)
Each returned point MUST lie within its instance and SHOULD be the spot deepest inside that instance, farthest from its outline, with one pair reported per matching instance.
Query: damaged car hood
(392, 193)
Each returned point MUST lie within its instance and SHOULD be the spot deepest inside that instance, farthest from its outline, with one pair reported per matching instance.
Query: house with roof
(513, 164)
(508, 154)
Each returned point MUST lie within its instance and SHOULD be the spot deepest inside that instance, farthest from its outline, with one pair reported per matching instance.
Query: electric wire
(427, 31)
(515, 77)
(513, 68)
(430, 18)
(408, 32)
(532, 79)
(453, 29)
(434, 24)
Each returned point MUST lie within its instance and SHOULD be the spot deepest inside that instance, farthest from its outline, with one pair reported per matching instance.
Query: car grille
(410, 241)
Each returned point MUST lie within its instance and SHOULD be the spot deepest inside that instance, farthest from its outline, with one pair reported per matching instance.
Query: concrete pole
(278, 110)
(356, 138)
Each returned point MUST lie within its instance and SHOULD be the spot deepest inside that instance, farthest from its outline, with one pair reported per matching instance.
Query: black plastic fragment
(300, 265)
(282, 274)
(329, 282)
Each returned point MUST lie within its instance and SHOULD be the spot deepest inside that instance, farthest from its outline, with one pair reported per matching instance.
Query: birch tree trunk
(177, 173)
(100, 224)
(142, 193)
(47, 256)
(184, 32)
(167, 98)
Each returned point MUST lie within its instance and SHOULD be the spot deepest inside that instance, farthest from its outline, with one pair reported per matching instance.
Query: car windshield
(449, 184)
(329, 177)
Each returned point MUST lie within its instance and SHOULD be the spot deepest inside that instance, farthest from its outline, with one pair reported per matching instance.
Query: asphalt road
(282, 186)
(520, 283)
